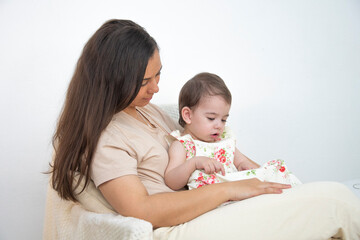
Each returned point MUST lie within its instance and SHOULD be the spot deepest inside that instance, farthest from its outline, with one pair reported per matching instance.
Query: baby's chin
(215, 137)
(211, 138)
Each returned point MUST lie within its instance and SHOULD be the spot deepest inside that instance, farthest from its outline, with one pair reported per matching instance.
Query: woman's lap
(309, 211)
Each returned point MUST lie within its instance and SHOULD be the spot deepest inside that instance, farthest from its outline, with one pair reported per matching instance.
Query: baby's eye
(224, 120)
(211, 119)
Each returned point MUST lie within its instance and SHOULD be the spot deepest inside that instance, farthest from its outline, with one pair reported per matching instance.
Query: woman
(109, 133)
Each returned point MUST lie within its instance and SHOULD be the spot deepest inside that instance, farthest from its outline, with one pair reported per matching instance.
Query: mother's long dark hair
(107, 78)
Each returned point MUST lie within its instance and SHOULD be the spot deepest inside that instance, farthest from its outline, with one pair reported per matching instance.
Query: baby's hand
(209, 165)
(247, 165)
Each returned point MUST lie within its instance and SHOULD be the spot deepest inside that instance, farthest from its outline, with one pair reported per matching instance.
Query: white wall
(292, 66)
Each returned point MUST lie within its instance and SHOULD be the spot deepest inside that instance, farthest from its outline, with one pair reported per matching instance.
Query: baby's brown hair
(202, 84)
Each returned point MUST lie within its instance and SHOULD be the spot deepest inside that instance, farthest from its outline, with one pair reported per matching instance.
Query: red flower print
(282, 169)
(200, 185)
(210, 181)
(219, 155)
(182, 141)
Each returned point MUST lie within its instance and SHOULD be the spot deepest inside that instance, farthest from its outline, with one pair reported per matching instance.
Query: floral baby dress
(223, 151)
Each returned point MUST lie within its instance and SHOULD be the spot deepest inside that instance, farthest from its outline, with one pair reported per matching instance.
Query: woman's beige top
(130, 147)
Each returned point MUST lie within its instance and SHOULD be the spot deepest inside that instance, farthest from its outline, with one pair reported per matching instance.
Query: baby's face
(208, 118)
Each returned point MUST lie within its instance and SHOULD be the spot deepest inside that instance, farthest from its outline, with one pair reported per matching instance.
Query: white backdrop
(292, 66)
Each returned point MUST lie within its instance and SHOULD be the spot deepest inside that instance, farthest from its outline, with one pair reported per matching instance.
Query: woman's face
(150, 82)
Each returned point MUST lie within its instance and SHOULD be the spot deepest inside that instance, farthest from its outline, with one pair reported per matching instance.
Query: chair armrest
(90, 225)
(69, 220)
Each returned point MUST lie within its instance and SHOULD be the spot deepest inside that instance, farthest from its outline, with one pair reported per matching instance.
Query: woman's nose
(154, 86)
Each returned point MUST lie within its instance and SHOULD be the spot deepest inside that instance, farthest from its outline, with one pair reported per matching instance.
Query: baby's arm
(179, 169)
(242, 162)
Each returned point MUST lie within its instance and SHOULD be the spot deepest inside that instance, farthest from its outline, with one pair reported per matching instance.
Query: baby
(206, 152)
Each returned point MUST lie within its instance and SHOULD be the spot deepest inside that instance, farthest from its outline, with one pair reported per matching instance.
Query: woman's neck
(131, 111)
(138, 115)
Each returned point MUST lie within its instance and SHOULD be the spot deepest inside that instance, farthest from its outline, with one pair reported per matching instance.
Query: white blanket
(69, 220)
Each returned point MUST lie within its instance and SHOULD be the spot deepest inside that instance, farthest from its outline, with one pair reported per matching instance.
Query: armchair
(92, 217)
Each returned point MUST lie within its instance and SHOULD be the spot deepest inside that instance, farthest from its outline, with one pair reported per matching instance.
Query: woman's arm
(242, 162)
(128, 196)
(179, 169)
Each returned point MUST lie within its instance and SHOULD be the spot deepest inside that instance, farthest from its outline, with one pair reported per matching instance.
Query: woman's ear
(186, 114)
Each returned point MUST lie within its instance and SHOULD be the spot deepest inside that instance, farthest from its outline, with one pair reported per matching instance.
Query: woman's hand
(209, 165)
(243, 189)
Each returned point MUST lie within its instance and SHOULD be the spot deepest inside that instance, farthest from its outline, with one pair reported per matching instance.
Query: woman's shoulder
(120, 130)
(121, 121)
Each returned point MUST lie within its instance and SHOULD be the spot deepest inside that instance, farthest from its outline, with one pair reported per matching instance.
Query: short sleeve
(112, 159)
(129, 147)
